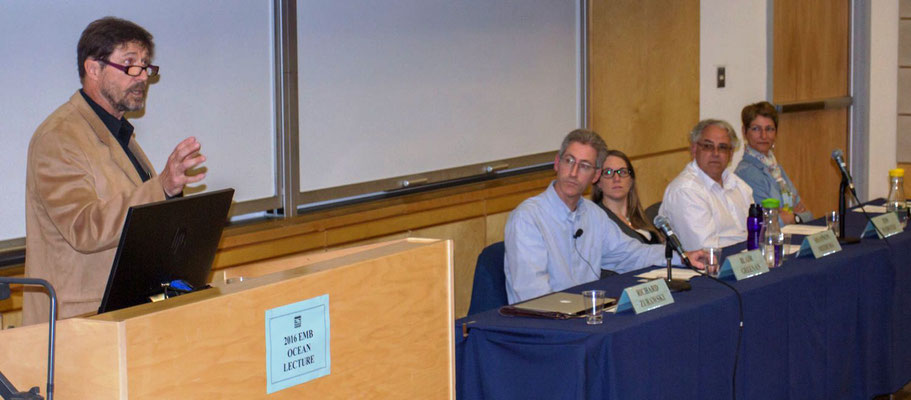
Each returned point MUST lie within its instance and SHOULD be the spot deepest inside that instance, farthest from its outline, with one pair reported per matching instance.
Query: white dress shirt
(543, 257)
(702, 212)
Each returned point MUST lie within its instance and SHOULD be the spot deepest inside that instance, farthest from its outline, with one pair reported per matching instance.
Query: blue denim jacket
(764, 186)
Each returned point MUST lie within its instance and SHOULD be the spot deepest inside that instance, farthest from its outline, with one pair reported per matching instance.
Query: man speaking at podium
(85, 169)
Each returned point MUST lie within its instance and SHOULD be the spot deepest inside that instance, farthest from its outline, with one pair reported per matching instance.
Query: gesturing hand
(184, 157)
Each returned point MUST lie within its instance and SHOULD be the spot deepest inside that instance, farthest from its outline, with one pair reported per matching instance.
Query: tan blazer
(79, 185)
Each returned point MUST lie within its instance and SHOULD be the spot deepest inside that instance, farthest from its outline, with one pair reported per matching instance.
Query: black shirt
(121, 129)
(630, 231)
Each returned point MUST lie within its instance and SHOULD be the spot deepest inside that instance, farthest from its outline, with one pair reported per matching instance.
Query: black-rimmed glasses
(134, 70)
(621, 172)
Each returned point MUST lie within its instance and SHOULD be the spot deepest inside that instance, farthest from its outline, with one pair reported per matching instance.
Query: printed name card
(743, 265)
(645, 297)
(887, 223)
(819, 244)
(297, 343)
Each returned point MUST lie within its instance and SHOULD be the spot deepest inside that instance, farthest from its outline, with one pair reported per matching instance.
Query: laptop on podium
(164, 242)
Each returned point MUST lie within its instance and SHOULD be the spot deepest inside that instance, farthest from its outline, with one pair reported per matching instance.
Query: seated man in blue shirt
(558, 239)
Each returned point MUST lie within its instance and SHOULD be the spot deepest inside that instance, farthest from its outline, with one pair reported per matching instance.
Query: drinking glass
(594, 305)
(832, 222)
(712, 261)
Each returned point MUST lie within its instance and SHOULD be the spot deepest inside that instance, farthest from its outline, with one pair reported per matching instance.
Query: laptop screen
(164, 241)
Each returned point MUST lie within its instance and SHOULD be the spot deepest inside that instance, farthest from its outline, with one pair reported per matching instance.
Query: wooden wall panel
(903, 137)
(806, 140)
(644, 73)
(644, 84)
(810, 49)
(907, 168)
(468, 241)
(11, 316)
(904, 91)
(653, 174)
(903, 134)
(811, 62)
(904, 42)
(496, 226)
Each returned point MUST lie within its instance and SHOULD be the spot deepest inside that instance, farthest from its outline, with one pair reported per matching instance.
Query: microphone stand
(675, 285)
(7, 390)
(842, 211)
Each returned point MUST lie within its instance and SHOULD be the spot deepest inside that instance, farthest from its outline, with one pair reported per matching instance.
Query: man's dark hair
(102, 36)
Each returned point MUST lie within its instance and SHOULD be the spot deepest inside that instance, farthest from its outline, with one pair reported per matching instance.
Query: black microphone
(839, 158)
(578, 233)
(665, 227)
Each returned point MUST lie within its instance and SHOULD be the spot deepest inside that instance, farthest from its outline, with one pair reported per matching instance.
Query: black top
(122, 131)
(630, 231)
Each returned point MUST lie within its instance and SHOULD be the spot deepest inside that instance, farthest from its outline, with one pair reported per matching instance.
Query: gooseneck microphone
(839, 157)
(665, 227)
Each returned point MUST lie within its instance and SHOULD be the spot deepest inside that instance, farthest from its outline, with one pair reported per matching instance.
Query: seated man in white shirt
(707, 204)
(558, 239)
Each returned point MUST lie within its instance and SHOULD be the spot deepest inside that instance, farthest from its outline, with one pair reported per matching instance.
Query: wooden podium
(391, 313)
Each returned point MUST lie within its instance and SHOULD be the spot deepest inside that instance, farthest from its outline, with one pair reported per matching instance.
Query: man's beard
(126, 102)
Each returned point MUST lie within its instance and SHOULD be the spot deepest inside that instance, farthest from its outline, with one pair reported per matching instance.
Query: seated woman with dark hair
(761, 170)
(616, 193)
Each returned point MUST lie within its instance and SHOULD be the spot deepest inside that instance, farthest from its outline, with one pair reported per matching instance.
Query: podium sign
(297, 343)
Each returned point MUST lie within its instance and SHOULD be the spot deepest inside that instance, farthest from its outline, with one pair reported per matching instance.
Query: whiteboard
(216, 84)
(391, 88)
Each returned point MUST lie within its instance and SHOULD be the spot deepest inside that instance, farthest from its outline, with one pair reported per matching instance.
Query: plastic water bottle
(896, 200)
(754, 226)
(770, 234)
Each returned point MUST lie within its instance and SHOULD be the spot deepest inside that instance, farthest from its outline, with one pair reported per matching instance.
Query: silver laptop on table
(562, 302)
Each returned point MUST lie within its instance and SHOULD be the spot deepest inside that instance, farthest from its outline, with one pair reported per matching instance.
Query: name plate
(645, 297)
(743, 265)
(819, 244)
(887, 223)
(297, 343)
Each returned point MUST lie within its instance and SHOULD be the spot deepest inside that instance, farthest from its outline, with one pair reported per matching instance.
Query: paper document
(806, 230)
(677, 273)
(872, 209)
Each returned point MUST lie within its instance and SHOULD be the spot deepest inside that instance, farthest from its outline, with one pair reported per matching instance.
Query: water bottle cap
(771, 203)
(755, 210)
(896, 173)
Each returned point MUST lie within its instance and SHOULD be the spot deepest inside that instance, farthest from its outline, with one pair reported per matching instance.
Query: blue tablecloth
(836, 327)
